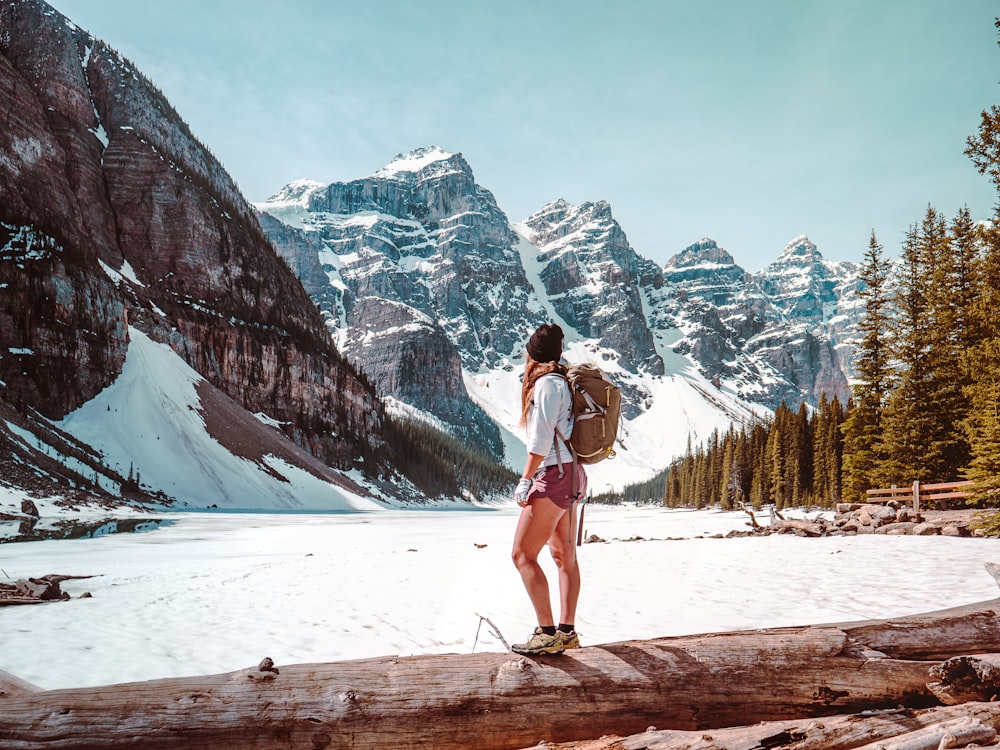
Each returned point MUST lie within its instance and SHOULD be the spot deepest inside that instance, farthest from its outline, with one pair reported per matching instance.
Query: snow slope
(150, 423)
(681, 405)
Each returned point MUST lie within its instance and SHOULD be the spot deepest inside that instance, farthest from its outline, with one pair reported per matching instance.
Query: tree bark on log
(11, 685)
(887, 729)
(503, 700)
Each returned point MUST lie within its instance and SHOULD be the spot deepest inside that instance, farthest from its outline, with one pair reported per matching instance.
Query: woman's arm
(549, 404)
(531, 465)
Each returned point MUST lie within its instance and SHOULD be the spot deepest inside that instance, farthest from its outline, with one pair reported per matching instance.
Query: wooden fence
(921, 493)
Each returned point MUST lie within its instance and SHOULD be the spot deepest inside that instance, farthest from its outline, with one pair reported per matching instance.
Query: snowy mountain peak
(801, 247)
(562, 212)
(414, 161)
(550, 213)
(704, 252)
(296, 192)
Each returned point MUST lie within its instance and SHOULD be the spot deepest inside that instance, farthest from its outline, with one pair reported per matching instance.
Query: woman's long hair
(532, 372)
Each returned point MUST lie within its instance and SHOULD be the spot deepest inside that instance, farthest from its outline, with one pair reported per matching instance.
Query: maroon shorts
(559, 489)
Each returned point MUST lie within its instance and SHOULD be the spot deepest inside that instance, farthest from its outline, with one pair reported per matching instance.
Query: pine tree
(984, 147)
(911, 423)
(967, 241)
(834, 447)
(745, 460)
(950, 295)
(779, 458)
(760, 479)
(982, 358)
(862, 429)
(802, 459)
(728, 470)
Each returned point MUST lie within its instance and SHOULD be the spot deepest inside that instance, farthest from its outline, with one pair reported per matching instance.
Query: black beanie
(545, 344)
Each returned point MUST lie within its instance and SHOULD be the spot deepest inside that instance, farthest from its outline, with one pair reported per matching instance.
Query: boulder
(896, 528)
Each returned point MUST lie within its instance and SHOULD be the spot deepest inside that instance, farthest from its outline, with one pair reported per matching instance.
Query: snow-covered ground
(215, 592)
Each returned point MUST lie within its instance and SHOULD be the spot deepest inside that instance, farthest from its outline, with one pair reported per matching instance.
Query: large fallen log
(502, 700)
(889, 729)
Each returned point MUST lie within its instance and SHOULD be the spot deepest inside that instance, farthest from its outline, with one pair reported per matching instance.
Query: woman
(546, 494)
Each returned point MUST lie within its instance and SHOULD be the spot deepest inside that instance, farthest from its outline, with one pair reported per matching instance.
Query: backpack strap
(575, 478)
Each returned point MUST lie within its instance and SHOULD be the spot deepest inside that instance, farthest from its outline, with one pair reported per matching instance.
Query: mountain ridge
(718, 326)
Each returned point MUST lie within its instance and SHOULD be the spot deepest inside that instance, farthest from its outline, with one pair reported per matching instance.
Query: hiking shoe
(569, 640)
(540, 643)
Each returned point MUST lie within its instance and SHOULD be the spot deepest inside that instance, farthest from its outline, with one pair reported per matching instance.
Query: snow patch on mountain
(413, 162)
(538, 299)
(297, 192)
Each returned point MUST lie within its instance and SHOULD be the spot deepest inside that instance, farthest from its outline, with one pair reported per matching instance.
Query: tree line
(917, 410)
(791, 460)
(443, 466)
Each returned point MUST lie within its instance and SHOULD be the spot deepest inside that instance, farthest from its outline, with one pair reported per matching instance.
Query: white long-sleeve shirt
(551, 409)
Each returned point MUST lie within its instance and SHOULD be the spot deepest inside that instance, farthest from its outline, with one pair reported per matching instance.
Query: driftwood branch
(35, 590)
(753, 519)
(494, 630)
(949, 734)
(807, 528)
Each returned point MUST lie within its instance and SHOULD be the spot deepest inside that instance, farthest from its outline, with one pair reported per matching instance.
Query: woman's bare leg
(562, 545)
(537, 523)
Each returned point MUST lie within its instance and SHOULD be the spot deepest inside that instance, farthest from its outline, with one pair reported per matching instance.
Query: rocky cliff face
(417, 273)
(112, 215)
(63, 327)
(423, 232)
(593, 277)
(821, 297)
(812, 341)
(771, 334)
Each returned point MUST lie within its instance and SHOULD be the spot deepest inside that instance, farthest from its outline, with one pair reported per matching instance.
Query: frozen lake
(218, 592)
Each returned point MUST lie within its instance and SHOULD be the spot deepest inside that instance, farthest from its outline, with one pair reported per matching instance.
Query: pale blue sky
(747, 122)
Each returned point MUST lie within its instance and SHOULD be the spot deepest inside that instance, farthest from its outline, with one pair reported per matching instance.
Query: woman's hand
(530, 467)
(521, 493)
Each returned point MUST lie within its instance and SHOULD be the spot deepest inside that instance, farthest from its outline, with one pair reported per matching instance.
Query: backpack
(596, 411)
